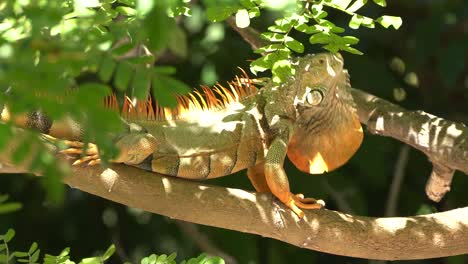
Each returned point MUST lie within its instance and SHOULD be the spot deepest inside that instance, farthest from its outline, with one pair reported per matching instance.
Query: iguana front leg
(278, 183)
(272, 177)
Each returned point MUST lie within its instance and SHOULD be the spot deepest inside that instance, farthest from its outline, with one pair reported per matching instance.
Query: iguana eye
(314, 97)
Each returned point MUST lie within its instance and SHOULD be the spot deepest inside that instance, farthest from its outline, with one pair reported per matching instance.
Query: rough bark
(398, 238)
(444, 142)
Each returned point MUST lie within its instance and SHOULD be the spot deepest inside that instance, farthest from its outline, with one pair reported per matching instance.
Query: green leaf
(109, 252)
(178, 42)
(351, 50)
(159, 27)
(282, 70)
(10, 207)
(254, 12)
(35, 256)
(165, 70)
(269, 48)
(242, 18)
(141, 60)
(350, 40)
(92, 260)
(340, 4)
(127, 2)
(273, 37)
(307, 29)
(247, 4)
(356, 6)
(32, 248)
(266, 62)
(220, 12)
(332, 27)
(172, 257)
(20, 254)
(107, 68)
(4, 198)
(122, 49)
(9, 235)
(294, 45)
(382, 3)
(165, 88)
(123, 74)
(387, 21)
(126, 11)
(280, 29)
(141, 84)
(358, 20)
(320, 38)
(144, 6)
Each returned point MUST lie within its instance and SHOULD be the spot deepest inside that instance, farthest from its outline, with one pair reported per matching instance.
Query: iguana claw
(298, 201)
(91, 157)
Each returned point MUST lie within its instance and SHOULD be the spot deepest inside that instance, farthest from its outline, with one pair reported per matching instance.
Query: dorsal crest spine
(207, 99)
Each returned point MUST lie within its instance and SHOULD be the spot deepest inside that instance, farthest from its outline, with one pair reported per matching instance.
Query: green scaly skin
(306, 118)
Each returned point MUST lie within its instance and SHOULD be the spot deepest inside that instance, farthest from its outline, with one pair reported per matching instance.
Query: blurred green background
(423, 65)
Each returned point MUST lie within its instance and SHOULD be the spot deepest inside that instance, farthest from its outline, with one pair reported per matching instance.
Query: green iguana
(310, 118)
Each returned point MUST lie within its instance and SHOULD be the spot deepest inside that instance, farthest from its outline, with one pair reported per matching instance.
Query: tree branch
(444, 142)
(418, 237)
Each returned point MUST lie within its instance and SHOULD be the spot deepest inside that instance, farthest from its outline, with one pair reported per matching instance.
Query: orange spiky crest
(208, 99)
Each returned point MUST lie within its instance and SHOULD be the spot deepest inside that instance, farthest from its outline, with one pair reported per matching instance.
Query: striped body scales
(310, 118)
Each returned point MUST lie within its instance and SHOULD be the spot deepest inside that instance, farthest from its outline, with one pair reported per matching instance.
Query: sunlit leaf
(220, 12)
(125, 10)
(356, 5)
(9, 235)
(269, 48)
(319, 38)
(351, 50)
(387, 21)
(242, 18)
(294, 45)
(382, 3)
(109, 252)
(273, 37)
(282, 70)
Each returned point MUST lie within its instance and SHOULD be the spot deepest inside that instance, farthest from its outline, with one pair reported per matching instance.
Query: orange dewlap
(316, 154)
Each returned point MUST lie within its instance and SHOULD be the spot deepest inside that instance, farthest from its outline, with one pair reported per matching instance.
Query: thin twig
(398, 175)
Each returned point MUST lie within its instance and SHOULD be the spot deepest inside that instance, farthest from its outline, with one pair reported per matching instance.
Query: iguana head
(328, 131)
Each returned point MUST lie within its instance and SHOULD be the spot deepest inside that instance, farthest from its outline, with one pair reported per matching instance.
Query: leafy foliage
(32, 255)
(308, 17)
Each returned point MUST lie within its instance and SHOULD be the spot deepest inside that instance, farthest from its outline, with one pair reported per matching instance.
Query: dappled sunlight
(109, 178)
(242, 194)
(167, 185)
(346, 217)
(438, 239)
(391, 225)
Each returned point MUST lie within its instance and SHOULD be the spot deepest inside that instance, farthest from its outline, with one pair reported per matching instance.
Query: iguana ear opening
(316, 154)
